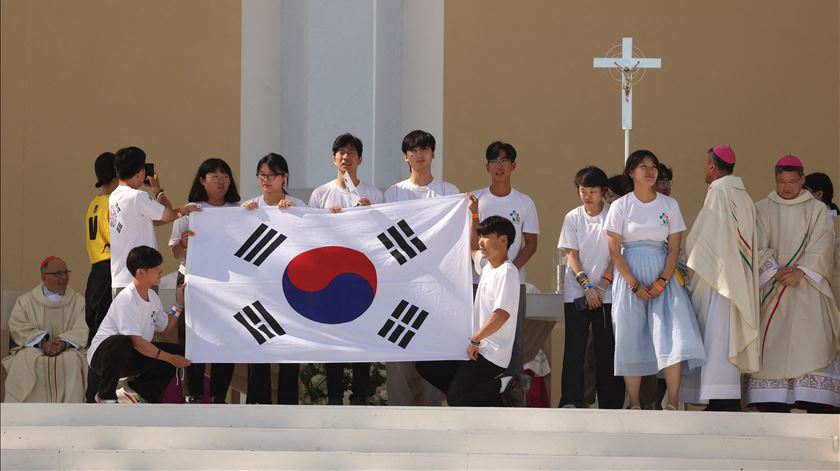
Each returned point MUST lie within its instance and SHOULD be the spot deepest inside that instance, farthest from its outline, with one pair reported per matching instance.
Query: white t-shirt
(519, 208)
(498, 289)
(182, 224)
(407, 191)
(330, 195)
(299, 203)
(130, 314)
(131, 213)
(585, 234)
(653, 221)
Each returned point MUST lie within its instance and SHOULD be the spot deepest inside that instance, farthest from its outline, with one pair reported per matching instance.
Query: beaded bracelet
(583, 280)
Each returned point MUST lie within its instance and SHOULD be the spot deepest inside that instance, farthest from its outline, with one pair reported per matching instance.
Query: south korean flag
(390, 282)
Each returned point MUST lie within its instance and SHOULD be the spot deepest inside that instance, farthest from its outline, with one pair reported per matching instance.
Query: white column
(315, 69)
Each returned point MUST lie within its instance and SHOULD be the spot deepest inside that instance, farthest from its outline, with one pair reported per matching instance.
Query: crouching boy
(476, 382)
(122, 346)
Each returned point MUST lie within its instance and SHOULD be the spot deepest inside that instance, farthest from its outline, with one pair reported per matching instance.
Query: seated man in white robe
(723, 286)
(48, 326)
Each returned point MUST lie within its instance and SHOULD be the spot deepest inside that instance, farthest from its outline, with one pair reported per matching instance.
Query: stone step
(22, 459)
(424, 418)
(418, 441)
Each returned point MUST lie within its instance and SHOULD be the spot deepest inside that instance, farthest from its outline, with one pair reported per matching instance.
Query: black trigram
(262, 329)
(258, 240)
(402, 251)
(403, 324)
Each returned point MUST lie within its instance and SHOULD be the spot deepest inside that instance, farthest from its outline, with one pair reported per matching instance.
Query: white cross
(627, 65)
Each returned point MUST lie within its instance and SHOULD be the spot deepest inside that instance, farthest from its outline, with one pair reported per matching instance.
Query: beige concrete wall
(761, 75)
(82, 77)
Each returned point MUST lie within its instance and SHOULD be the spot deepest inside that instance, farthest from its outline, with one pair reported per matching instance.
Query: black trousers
(465, 383)
(116, 358)
(221, 373)
(97, 302)
(335, 382)
(259, 383)
(610, 388)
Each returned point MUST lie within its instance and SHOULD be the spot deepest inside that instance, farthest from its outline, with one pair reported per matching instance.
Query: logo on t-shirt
(666, 221)
(113, 210)
(515, 217)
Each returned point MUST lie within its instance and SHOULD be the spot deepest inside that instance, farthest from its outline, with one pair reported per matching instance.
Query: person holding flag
(273, 176)
(346, 191)
(418, 149)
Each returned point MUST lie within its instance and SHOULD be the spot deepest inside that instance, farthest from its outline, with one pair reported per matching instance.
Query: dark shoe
(192, 400)
(516, 392)
(217, 400)
(334, 401)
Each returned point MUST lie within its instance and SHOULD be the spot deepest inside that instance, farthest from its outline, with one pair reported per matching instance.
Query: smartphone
(580, 304)
(150, 170)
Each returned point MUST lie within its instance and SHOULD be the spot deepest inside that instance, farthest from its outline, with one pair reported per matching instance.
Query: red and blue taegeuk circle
(330, 285)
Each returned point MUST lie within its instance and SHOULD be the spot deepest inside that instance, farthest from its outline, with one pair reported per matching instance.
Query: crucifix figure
(628, 69)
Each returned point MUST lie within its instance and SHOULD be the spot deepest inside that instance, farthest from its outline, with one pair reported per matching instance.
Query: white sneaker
(126, 395)
(99, 400)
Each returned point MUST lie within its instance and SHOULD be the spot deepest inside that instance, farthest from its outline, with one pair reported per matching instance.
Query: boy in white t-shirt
(133, 213)
(418, 149)
(335, 195)
(476, 382)
(587, 298)
(123, 344)
(500, 199)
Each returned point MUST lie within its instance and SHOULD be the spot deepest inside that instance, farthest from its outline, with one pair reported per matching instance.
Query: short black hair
(620, 184)
(665, 172)
(724, 167)
(198, 193)
(418, 139)
(499, 226)
(347, 139)
(495, 148)
(790, 168)
(591, 177)
(142, 257)
(129, 161)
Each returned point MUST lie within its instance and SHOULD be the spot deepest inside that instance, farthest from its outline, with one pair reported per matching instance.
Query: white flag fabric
(389, 282)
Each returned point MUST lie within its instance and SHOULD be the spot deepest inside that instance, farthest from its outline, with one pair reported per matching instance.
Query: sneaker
(192, 400)
(99, 400)
(126, 395)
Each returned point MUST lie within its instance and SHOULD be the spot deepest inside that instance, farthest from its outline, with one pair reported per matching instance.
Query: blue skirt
(651, 335)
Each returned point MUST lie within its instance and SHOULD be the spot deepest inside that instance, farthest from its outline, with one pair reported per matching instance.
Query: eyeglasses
(58, 273)
(499, 162)
(217, 178)
(269, 177)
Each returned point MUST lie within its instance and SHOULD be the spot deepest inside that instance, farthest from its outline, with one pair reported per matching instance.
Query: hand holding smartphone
(150, 170)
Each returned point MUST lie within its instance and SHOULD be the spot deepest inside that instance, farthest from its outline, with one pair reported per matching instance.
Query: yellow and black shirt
(98, 240)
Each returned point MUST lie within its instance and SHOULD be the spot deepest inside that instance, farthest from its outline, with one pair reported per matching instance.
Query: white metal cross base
(628, 65)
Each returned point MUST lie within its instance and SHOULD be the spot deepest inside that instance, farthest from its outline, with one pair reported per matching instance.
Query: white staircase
(107, 436)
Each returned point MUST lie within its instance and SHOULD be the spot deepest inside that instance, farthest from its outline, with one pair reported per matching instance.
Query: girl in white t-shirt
(587, 299)
(212, 187)
(655, 325)
(272, 176)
